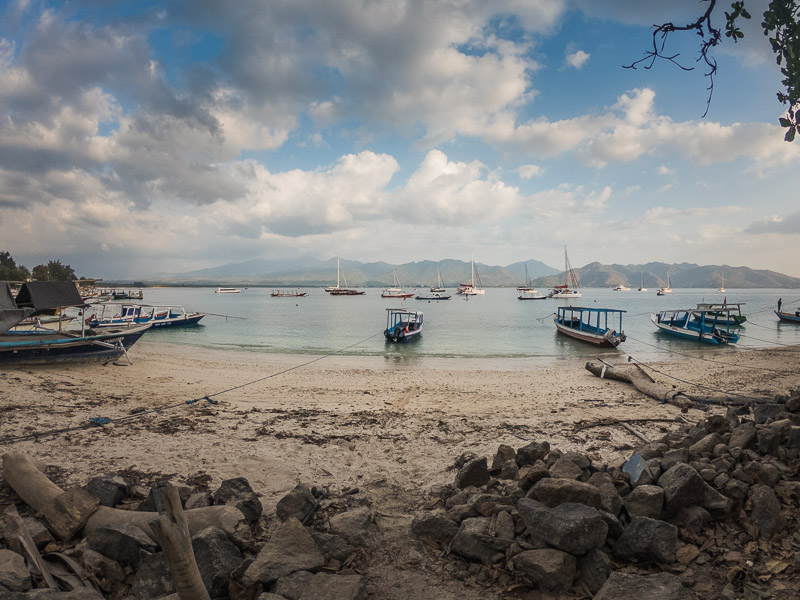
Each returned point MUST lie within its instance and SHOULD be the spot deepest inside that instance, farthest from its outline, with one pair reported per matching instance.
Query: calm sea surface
(495, 326)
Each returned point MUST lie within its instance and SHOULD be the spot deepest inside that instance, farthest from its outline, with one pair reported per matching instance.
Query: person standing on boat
(780, 300)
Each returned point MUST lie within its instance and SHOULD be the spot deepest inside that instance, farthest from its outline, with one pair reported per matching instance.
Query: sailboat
(665, 290)
(471, 289)
(528, 292)
(439, 287)
(722, 284)
(571, 286)
(337, 290)
(641, 287)
(396, 290)
(527, 287)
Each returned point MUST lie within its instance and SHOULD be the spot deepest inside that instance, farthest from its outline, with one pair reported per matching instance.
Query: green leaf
(785, 122)
(789, 137)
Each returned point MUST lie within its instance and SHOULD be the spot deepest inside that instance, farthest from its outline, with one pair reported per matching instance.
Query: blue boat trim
(590, 325)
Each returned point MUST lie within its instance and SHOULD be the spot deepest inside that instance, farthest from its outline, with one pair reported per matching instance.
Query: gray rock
(682, 486)
(269, 596)
(547, 568)
(645, 501)
(237, 492)
(334, 547)
(763, 472)
(40, 534)
(566, 469)
(509, 470)
(766, 513)
(610, 500)
(793, 440)
(661, 586)
(594, 568)
(291, 548)
(305, 586)
(553, 492)
(736, 490)
(355, 526)
(528, 455)
(705, 445)
(152, 578)
(648, 539)
(504, 525)
(765, 412)
(436, 527)
(693, 518)
(743, 436)
(109, 490)
(531, 473)
(108, 573)
(216, 558)
(474, 542)
(14, 575)
(716, 424)
(298, 503)
(580, 459)
(652, 450)
(768, 441)
(673, 457)
(123, 542)
(473, 473)
(504, 454)
(199, 500)
(573, 528)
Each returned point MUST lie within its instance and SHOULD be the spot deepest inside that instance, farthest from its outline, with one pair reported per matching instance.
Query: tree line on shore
(53, 270)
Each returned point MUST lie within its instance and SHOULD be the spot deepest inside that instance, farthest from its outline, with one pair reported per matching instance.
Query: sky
(148, 137)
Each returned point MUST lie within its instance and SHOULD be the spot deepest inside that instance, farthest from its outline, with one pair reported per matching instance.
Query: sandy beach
(390, 428)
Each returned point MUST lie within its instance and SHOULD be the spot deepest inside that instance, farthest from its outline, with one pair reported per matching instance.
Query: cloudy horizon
(175, 136)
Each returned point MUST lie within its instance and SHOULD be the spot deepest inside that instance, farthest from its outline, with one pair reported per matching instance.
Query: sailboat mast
(338, 271)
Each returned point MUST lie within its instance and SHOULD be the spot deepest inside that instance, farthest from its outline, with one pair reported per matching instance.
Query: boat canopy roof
(10, 315)
(589, 309)
(719, 305)
(43, 296)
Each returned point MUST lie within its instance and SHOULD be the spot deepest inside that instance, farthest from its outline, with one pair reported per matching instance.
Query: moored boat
(590, 325)
(402, 325)
(338, 290)
(227, 290)
(532, 294)
(621, 288)
(439, 287)
(474, 287)
(571, 286)
(396, 290)
(122, 315)
(683, 324)
(727, 313)
(665, 289)
(284, 294)
(432, 296)
(787, 317)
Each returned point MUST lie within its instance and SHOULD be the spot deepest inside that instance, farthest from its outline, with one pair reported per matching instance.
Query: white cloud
(665, 170)
(577, 59)
(528, 171)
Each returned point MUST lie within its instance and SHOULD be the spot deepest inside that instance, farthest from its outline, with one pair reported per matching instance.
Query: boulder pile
(708, 511)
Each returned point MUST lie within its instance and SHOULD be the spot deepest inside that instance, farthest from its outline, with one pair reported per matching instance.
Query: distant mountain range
(311, 272)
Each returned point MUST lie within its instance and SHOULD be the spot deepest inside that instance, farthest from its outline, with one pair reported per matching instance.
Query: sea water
(494, 326)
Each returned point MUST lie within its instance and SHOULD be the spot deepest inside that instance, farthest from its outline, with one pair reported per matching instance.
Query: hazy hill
(307, 271)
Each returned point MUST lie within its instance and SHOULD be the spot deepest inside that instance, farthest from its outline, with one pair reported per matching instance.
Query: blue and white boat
(402, 325)
(699, 325)
(590, 325)
(121, 315)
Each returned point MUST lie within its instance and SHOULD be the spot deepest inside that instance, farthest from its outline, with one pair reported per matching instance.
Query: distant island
(310, 272)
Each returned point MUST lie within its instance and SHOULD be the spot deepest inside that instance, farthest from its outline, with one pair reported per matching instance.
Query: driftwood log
(38, 492)
(635, 375)
(172, 533)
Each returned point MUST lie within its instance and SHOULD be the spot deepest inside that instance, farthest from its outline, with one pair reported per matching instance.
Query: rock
(581, 460)
(763, 472)
(69, 512)
(298, 503)
(530, 474)
(14, 575)
(648, 539)
(307, 586)
(237, 492)
(693, 518)
(528, 455)
(736, 490)
(610, 500)
(793, 440)
(509, 470)
(705, 445)
(122, 542)
(645, 501)
(652, 450)
(766, 513)
(109, 490)
(334, 547)
(355, 525)
(40, 534)
(216, 558)
(673, 457)
(504, 525)
(547, 568)
(106, 572)
(291, 548)
(152, 579)
(682, 486)
(553, 492)
(504, 453)
(435, 527)
(743, 436)
(473, 473)
(199, 500)
(474, 542)
(661, 586)
(716, 424)
(571, 527)
(765, 412)
(593, 569)
(566, 469)
(768, 441)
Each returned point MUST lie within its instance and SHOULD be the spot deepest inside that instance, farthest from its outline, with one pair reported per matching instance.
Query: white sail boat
(722, 284)
(439, 287)
(527, 287)
(641, 287)
(337, 290)
(571, 286)
(472, 289)
(396, 290)
(666, 289)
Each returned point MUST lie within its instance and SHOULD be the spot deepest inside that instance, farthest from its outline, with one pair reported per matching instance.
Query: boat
(571, 286)
(338, 290)
(396, 290)
(432, 296)
(706, 328)
(664, 290)
(122, 315)
(439, 287)
(46, 297)
(224, 290)
(115, 294)
(472, 288)
(641, 287)
(590, 325)
(43, 324)
(532, 294)
(721, 288)
(528, 287)
(402, 325)
(727, 313)
(282, 294)
(621, 288)
(787, 317)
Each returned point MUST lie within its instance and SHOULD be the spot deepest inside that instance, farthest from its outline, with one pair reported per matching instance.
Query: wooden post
(172, 533)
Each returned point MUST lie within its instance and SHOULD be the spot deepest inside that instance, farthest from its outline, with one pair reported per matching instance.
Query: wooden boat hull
(402, 337)
(342, 292)
(48, 349)
(182, 321)
(597, 339)
(433, 297)
(788, 317)
(705, 336)
(401, 296)
(532, 297)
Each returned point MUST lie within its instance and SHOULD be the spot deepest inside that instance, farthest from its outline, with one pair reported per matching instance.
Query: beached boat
(666, 289)
(43, 324)
(396, 290)
(787, 317)
(46, 297)
(590, 325)
(439, 287)
(283, 294)
(432, 296)
(122, 315)
(474, 287)
(683, 324)
(338, 290)
(571, 286)
(402, 325)
(727, 313)
(225, 290)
